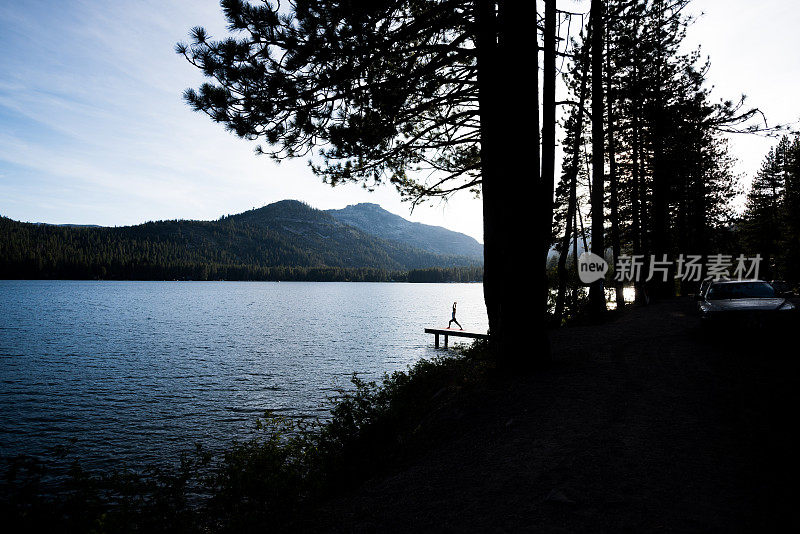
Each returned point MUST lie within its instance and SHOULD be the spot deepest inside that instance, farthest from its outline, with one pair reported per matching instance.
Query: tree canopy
(371, 91)
(770, 225)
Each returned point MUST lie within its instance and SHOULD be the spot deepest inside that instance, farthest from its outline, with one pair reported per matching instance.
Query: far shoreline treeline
(238, 273)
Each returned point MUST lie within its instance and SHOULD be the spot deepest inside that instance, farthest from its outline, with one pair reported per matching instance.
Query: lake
(140, 371)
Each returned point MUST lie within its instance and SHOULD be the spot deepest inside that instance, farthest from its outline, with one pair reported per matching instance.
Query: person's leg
(459, 324)
(450, 322)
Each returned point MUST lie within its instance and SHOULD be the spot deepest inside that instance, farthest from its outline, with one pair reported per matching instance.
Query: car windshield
(741, 290)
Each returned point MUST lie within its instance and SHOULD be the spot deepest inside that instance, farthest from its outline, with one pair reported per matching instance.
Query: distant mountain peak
(374, 219)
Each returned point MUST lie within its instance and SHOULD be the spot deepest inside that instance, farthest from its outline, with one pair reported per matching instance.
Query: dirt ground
(646, 424)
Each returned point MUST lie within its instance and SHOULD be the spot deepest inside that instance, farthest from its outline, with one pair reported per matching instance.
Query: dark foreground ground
(646, 424)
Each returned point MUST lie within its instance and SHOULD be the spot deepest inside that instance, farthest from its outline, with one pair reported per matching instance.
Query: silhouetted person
(453, 320)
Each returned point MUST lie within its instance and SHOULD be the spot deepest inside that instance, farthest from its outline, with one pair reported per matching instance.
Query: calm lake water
(140, 371)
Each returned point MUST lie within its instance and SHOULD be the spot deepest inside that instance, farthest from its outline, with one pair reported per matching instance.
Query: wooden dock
(447, 332)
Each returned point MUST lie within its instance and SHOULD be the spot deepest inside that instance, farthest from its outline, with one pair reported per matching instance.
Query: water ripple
(137, 371)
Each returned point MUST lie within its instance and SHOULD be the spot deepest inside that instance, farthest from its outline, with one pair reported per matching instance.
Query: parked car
(782, 289)
(750, 301)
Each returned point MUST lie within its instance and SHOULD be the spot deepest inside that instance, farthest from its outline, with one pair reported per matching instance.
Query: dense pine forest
(771, 222)
(287, 240)
(647, 168)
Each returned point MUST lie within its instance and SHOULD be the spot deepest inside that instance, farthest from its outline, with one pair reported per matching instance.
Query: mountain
(375, 220)
(332, 242)
(277, 241)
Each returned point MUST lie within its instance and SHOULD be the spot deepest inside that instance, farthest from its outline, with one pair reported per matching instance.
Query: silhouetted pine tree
(422, 94)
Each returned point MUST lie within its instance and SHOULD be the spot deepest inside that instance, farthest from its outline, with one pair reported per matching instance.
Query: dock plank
(447, 332)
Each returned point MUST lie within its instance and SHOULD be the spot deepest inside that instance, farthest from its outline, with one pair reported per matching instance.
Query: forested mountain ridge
(280, 241)
(375, 220)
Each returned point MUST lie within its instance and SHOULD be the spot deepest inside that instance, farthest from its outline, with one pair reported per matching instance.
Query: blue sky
(93, 129)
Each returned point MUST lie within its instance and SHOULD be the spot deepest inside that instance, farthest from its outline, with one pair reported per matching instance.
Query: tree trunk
(503, 40)
(638, 198)
(575, 258)
(548, 131)
(661, 179)
(701, 223)
(524, 191)
(612, 175)
(486, 40)
(573, 186)
(597, 299)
